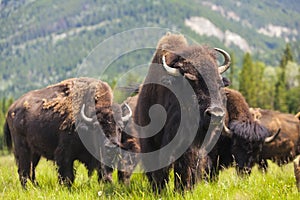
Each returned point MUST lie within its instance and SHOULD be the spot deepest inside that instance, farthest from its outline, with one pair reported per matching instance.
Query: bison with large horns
(72, 120)
(180, 103)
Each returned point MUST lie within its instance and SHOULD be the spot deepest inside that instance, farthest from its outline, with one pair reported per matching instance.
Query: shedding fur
(255, 113)
(73, 93)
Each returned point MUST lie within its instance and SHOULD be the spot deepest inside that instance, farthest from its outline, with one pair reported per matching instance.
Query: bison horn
(227, 61)
(127, 117)
(84, 117)
(170, 70)
(272, 137)
(298, 115)
(227, 131)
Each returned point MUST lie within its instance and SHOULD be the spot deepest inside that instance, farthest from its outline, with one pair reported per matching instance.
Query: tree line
(268, 87)
(276, 88)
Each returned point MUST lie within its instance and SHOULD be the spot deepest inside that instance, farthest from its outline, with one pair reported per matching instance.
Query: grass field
(278, 183)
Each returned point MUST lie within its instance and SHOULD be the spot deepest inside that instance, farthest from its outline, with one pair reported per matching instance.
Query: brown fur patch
(168, 43)
(73, 93)
(255, 113)
(26, 105)
(237, 106)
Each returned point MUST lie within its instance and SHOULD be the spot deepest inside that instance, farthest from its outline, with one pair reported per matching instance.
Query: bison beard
(47, 123)
(174, 66)
(242, 144)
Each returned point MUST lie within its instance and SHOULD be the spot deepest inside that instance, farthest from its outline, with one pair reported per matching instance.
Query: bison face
(245, 153)
(102, 132)
(247, 143)
(198, 65)
(111, 121)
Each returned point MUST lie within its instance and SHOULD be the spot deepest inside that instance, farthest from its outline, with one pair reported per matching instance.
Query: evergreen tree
(259, 85)
(281, 87)
(246, 85)
(267, 90)
(293, 92)
(232, 72)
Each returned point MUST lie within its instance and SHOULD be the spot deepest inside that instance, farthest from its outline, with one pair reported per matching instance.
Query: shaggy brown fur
(284, 148)
(169, 42)
(237, 106)
(72, 93)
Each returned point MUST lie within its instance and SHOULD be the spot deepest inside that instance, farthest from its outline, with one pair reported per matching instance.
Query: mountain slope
(42, 42)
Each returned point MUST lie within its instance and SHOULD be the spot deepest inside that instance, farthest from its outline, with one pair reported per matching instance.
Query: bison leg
(212, 169)
(183, 176)
(34, 161)
(158, 179)
(124, 176)
(105, 174)
(263, 165)
(65, 167)
(22, 155)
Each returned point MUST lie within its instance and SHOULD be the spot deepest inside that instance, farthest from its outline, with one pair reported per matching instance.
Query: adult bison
(184, 80)
(287, 145)
(65, 122)
(242, 142)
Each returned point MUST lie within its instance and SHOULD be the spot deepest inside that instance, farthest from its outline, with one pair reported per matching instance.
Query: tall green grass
(278, 183)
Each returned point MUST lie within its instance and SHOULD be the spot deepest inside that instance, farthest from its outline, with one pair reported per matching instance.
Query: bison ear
(226, 81)
(171, 58)
(168, 60)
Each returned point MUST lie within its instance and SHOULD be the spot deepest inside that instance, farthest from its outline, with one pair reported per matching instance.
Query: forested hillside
(43, 42)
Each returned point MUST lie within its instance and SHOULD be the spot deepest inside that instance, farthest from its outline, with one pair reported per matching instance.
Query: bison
(186, 82)
(62, 123)
(242, 142)
(287, 145)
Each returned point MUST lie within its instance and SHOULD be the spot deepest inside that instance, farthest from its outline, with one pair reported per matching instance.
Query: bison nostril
(215, 112)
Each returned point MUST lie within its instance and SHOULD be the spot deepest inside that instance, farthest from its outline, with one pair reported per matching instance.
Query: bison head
(197, 64)
(110, 120)
(247, 142)
(106, 125)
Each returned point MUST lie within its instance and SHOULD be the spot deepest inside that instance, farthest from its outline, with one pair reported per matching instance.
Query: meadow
(278, 183)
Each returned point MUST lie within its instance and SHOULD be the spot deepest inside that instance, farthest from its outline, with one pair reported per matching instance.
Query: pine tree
(232, 72)
(246, 84)
(281, 87)
(259, 85)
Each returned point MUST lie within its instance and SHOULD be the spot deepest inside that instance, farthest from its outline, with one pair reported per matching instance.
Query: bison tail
(7, 136)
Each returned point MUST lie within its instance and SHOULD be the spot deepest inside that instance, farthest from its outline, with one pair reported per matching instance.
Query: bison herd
(183, 117)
